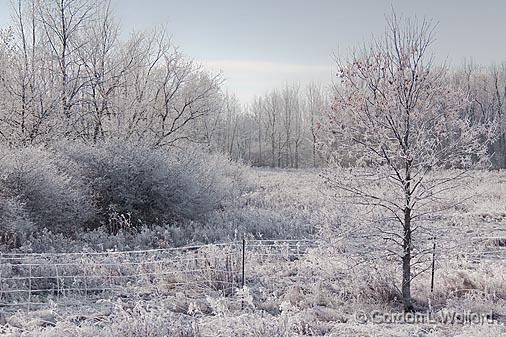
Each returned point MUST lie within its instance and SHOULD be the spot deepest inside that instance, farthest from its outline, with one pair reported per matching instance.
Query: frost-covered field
(241, 191)
(322, 292)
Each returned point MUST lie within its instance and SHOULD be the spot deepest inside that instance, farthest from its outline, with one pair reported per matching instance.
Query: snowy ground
(325, 292)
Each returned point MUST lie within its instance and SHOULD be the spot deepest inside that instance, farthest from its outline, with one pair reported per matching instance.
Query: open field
(304, 289)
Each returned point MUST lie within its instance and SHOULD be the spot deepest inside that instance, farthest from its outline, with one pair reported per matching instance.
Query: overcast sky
(261, 44)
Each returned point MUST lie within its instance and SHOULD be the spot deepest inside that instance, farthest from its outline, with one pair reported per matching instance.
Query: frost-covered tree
(69, 74)
(486, 88)
(396, 120)
(317, 103)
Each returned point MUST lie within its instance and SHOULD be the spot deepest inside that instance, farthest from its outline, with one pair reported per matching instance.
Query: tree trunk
(314, 148)
(260, 144)
(406, 262)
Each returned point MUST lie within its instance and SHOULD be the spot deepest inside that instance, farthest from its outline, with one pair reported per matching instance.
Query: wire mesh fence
(33, 281)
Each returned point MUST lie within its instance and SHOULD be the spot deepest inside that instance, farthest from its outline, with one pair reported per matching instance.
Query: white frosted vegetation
(115, 152)
(319, 293)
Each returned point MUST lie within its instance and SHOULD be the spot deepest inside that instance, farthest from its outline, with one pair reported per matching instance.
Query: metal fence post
(29, 285)
(433, 264)
(1, 285)
(242, 269)
(243, 262)
(57, 280)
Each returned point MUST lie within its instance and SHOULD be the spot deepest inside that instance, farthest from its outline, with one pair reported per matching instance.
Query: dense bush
(36, 186)
(72, 186)
(14, 222)
(135, 185)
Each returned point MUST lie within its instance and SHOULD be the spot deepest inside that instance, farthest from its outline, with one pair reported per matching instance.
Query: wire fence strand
(35, 280)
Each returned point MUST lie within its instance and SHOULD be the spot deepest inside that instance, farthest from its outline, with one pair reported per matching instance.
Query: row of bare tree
(66, 73)
(486, 90)
(280, 129)
(277, 129)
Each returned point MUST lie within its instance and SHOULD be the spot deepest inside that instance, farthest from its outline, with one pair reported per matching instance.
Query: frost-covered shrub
(136, 321)
(42, 191)
(350, 278)
(14, 222)
(151, 186)
(99, 240)
(44, 241)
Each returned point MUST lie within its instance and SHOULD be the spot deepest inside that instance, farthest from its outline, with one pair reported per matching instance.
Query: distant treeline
(67, 74)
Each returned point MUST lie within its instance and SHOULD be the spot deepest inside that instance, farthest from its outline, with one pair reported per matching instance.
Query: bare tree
(164, 92)
(317, 104)
(104, 68)
(486, 88)
(498, 74)
(396, 120)
(298, 125)
(256, 110)
(62, 24)
(68, 74)
(271, 105)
